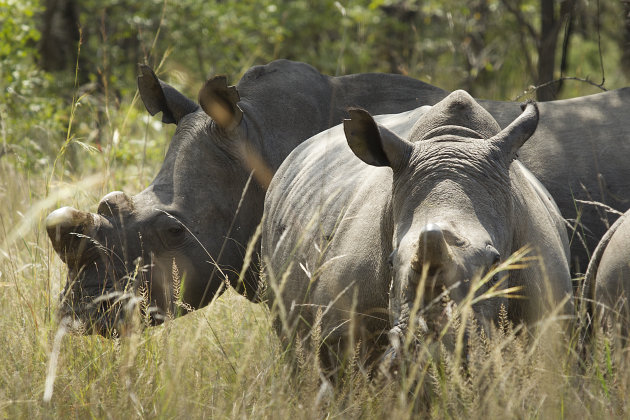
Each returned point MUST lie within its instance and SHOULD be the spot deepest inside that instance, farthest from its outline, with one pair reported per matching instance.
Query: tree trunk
(547, 51)
(478, 79)
(625, 48)
(60, 35)
(550, 27)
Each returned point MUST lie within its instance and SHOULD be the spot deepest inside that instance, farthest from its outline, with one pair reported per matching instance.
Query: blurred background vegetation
(68, 67)
(72, 129)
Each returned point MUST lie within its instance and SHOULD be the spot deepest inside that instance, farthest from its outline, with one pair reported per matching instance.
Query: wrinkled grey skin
(450, 199)
(580, 151)
(190, 213)
(607, 280)
(283, 103)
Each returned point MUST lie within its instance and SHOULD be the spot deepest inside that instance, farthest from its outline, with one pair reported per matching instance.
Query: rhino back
(286, 102)
(320, 177)
(397, 92)
(580, 152)
(613, 272)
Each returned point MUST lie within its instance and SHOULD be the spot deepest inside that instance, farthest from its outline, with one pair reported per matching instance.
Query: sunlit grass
(226, 361)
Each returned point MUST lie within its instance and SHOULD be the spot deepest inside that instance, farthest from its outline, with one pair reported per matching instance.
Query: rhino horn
(432, 249)
(70, 231)
(116, 203)
(220, 102)
(512, 137)
(158, 96)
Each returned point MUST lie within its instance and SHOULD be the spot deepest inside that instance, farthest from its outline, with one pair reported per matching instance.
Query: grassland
(225, 361)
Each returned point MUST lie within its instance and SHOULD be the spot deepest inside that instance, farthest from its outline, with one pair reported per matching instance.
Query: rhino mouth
(423, 332)
(109, 313)
(435, 319)
(103, 315)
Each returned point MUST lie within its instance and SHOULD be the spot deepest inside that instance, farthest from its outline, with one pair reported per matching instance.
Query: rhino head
(452, 201)
(181, 238)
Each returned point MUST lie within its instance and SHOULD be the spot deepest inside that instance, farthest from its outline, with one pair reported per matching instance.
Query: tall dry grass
(225, 361)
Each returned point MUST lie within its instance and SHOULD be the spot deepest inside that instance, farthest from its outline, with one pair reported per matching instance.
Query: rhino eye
(175, 230)
(173, 236)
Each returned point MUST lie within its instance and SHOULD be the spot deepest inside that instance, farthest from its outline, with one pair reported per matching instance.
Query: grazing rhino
(607, 280)
(201, 209)
(450, 199)
(197, 213)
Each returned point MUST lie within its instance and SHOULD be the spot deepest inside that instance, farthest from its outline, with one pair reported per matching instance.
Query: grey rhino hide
(192, 224)
(281, 104)
(332, 222)
(607, 280)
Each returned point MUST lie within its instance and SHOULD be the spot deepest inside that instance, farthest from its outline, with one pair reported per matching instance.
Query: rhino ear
(220, 102)
(374, 144)
(158, 96)
(512, 137)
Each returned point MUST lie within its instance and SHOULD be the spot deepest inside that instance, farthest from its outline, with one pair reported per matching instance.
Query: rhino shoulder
(543, 225)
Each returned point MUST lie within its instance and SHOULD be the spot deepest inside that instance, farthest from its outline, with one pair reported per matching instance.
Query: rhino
(607, 280)
(355, 216)
(578, 153)
(191, 226)
(203, 206)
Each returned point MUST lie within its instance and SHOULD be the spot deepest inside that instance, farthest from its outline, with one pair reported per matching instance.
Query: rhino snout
(433, 250)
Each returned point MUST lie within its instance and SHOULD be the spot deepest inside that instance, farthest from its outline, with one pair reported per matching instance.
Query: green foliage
(479, 46)
(18, 31)
(29, 108)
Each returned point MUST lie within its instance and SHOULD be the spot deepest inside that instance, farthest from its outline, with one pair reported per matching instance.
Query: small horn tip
(431, 228)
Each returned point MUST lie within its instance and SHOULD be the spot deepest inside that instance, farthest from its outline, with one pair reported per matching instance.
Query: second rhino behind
(607, 280)
(352, 221)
